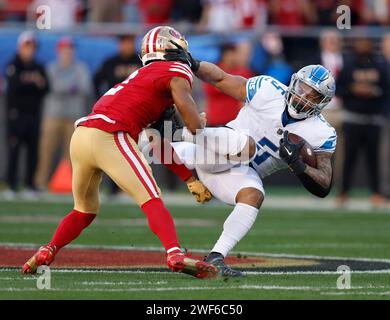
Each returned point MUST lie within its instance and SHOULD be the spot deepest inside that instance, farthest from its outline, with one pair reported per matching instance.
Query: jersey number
(114, 90)
(260, 158)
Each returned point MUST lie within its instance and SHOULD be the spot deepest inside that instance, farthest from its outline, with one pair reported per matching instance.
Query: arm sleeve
(313, 187)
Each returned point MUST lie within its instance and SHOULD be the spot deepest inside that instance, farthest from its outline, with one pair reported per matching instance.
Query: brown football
(307, 152)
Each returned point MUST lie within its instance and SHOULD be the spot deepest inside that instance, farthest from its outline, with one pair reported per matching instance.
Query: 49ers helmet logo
(157, 40)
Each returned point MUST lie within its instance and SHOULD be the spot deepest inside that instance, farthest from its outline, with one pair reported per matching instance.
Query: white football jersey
(264, 118)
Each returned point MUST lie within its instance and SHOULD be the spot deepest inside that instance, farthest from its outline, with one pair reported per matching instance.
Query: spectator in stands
(219, 16)
(357, 8)
(105, 10)
(292, 13)
(268, 58)
(251, 13)
(386, 133)
(331, 56)
(156, 12)
(376, 12)
(116, 69)
(220, 108)
(64, 14)
(70, 86)
(326, 12)
(26, 86)
(131, 12)
(363, 86)
(187, 10)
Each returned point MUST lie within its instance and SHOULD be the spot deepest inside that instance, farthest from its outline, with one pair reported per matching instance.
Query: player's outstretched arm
(232, 85)
(185, 104)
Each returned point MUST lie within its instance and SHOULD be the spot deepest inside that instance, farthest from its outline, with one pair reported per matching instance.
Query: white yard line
(239, 287)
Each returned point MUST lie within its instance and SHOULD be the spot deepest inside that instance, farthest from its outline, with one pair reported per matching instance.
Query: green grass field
(306, 234)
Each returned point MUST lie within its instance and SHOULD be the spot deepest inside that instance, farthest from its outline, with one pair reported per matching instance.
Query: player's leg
(118, 156)
(241, 187)
(232, 144)
(86, 179)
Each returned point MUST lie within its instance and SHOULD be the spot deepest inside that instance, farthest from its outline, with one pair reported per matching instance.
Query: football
(307, 152)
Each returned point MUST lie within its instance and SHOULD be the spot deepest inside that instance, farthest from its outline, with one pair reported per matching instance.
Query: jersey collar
(287, 119)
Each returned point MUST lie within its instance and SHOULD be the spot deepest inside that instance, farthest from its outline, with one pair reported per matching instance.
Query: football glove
(199, 190)
(289, 153)
(182, 55)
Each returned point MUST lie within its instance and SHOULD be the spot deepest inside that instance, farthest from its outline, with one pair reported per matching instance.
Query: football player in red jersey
(105, 141)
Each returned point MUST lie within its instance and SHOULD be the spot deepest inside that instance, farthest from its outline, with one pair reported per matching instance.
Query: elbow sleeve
(313, 187)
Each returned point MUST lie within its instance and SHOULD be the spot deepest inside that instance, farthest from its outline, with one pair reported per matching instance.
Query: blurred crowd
(206, 15)
(43, 101)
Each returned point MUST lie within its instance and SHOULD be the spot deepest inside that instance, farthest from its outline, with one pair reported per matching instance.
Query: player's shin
(224, 141)
(70, 228)
(161, 223)
(236, 226)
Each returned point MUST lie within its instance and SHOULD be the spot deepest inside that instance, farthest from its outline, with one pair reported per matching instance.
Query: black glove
(168, 115)
(182, 55)
(289, 153)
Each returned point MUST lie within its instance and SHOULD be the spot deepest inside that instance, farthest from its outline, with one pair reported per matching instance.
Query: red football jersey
(138, 101)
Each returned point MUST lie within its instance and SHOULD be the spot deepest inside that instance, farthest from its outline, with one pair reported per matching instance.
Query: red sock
(70, 228)
(161, 223)
(178, 169)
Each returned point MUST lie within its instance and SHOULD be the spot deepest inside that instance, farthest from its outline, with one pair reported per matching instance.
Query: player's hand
(289, 153)
(182, 55)
(199, 190)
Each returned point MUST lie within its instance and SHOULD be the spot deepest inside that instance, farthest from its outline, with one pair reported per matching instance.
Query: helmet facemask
(304, 101)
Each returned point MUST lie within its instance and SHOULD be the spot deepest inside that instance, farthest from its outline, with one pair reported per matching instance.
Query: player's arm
(182, 96)
(317, 181)
(232, 85)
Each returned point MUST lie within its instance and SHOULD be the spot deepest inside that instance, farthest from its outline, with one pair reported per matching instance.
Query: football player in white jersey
(271, 110)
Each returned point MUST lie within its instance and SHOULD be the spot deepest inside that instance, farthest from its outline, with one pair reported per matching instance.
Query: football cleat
(179, 262)
(216, 259)
(44, 256)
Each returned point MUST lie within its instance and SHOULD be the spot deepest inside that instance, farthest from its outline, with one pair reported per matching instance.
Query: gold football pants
(93, 151)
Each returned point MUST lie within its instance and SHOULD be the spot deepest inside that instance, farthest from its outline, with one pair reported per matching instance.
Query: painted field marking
(92, 283)
(276, 273)
(198, 250)
(243, 287)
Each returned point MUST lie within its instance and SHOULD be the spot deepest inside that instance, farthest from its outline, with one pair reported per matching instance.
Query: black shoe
(216, 259)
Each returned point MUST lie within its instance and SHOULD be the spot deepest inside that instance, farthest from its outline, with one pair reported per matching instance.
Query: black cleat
(226, 271)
